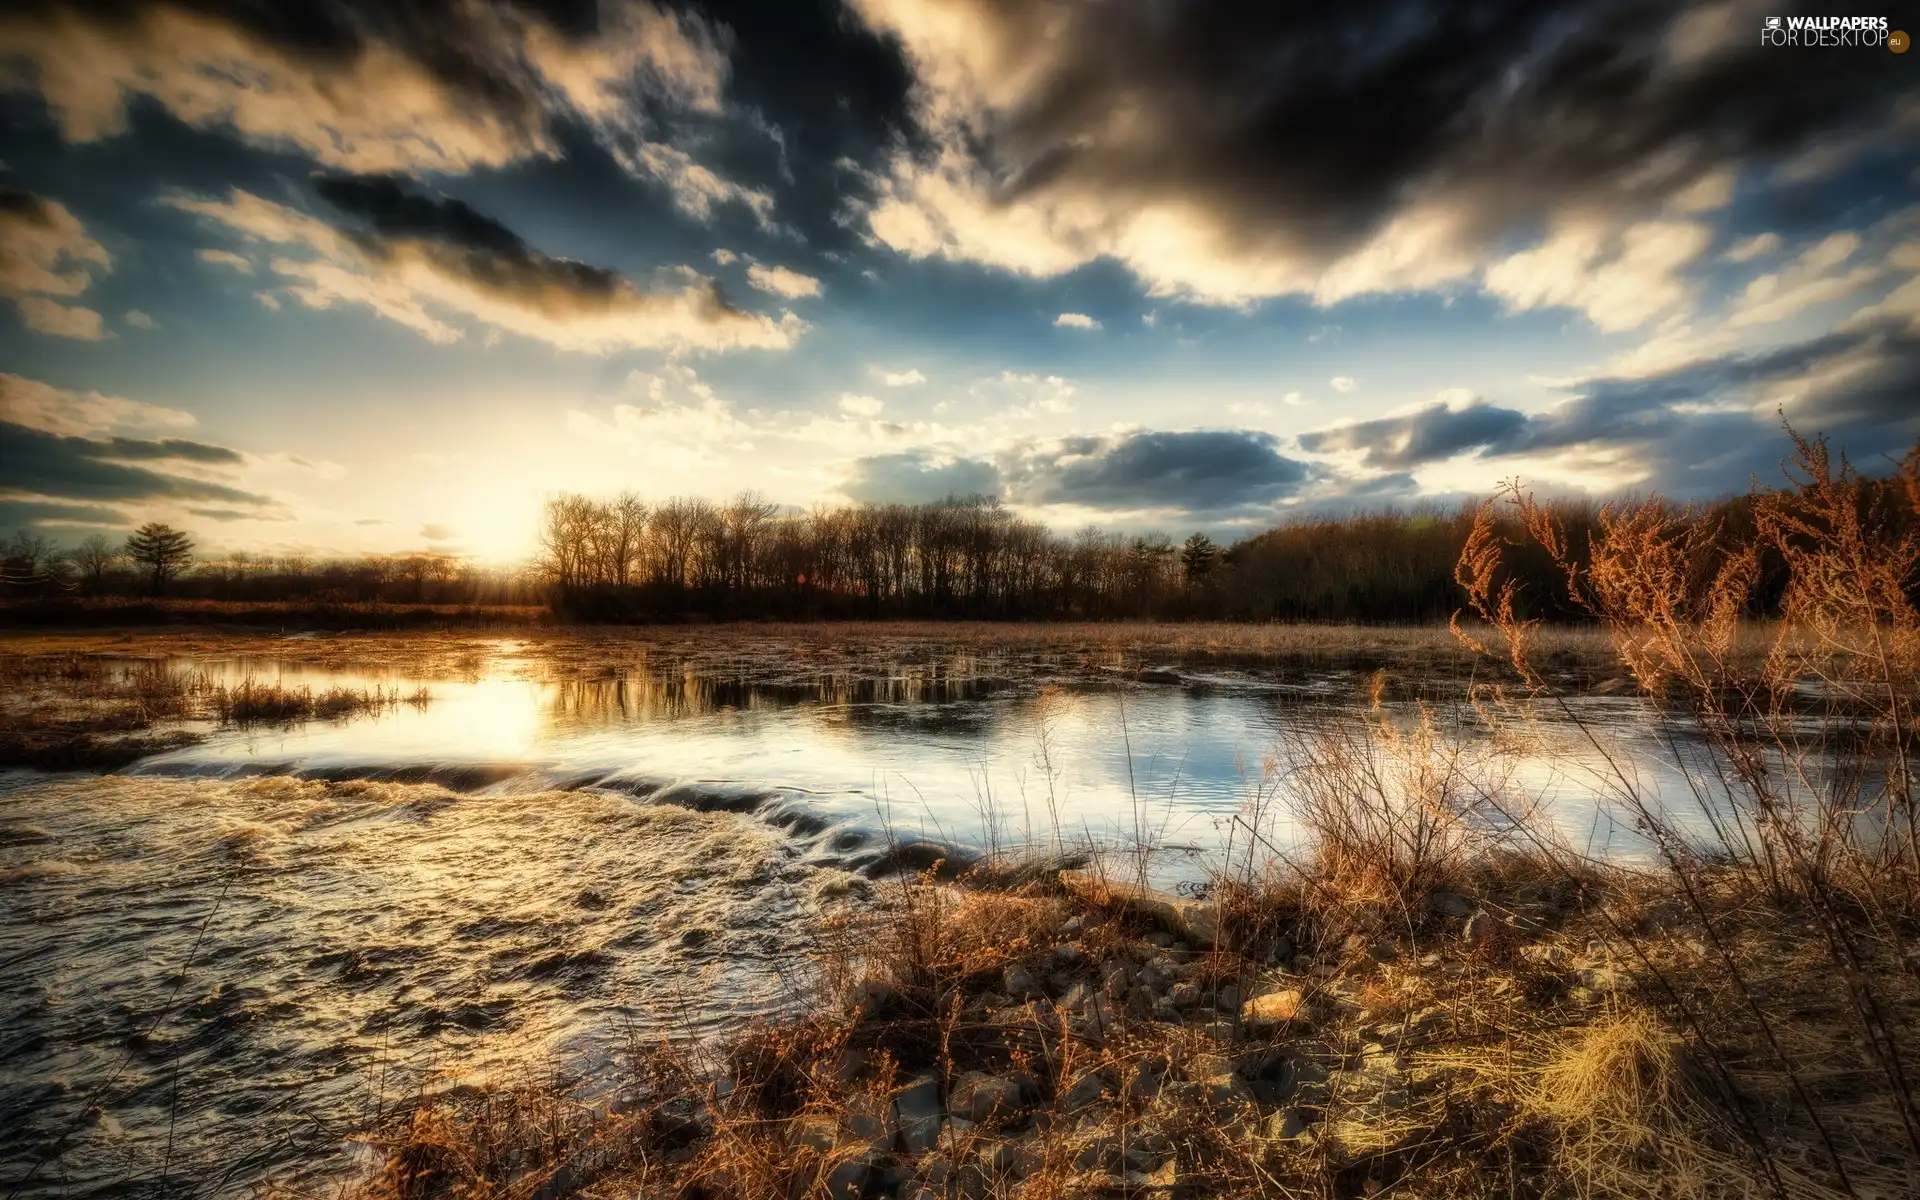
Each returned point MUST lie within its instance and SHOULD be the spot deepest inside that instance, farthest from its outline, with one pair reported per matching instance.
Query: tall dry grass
(1805, 791)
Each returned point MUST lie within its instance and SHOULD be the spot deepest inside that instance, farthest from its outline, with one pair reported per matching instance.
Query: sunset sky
(379, 275)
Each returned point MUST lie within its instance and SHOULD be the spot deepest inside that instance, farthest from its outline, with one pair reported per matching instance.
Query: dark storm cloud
(180, 449)
(25, 205)
(1195, 471)
(1298, 132)
(465, 240)
(914, 477)
(1698, 428)
(85, 469)
(19, 514)
(1433, 433)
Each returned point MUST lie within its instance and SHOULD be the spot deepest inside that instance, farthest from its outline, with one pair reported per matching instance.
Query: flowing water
(221, 962)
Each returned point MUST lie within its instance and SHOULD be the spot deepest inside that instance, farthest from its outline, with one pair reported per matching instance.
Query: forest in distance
(623, 559)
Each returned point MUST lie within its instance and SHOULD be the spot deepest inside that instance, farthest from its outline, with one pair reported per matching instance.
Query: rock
(1449, 904)
(1019, 982)
(1480, 928)
(870, 993)
(1197, 921)
(1228, 997)
(1072, 926)
(1602, 979)
(1149, 977)
(1275, 1008)
(1205, 1066)
(1116, 981)
(1147, 1077)
(1286, 1125)
(815, 1132)
(1184, 995)
(1219, 1031)
(1163, 1177)
(980, 1097)
(848, 1175)
(1164, 1009)
(1160, 938)
(1544, 955)
(870, 1119)
(918, 1114)
(1089, 1089)
(1068, 956)
(956, 1136)
(1076, 997)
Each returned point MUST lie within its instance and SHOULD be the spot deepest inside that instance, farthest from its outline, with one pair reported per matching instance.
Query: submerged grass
(78, 711)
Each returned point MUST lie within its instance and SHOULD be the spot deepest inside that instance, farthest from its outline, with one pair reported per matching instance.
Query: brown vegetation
(1434, 996)
(74, 711)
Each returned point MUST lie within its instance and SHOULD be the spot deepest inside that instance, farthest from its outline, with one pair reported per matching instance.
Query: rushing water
(222, 961)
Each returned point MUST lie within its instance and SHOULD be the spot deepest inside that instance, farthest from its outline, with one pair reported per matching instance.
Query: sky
(377, 276)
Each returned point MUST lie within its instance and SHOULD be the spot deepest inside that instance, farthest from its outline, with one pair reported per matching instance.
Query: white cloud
(1760, 245)
(1075, 321)
(57, 410)
(426, 288)
(782, 281)
(908, 378)
(1293, 398)
(1619, 279)
(46, 260)
(675, 417)
(696, 189)
(140, 320)
(1811, 278)
(61, 320)
(861, 406)
(725, 257)
(1342, 383)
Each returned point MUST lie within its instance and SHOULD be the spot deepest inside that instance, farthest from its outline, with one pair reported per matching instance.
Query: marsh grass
(1428, 992)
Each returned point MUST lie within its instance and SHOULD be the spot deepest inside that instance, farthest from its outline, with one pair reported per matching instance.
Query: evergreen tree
(1198, 558)
(161, 551)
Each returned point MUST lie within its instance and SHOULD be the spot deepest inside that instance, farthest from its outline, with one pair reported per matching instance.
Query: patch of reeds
(252, 702)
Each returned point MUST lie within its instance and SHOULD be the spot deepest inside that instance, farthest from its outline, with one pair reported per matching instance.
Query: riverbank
(1518, 1031)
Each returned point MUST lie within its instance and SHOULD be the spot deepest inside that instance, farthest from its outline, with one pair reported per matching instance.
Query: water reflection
(535, 860)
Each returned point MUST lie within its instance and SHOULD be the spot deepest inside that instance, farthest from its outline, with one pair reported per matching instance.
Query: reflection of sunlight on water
(453, 885)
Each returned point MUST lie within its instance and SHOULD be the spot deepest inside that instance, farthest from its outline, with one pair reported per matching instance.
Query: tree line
(159, 560)
(970, 557)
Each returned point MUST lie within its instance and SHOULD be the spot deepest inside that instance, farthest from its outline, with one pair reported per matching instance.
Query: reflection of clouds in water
(362, 923)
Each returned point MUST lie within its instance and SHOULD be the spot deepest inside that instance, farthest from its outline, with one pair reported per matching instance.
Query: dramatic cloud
(46, 258)
(40, 406)
(425, 261)
(19, 514)
(1194, 471)
(61, 467)
(919, 477)
(379, 85)
(1697, 429)
(1227, 153)
(782, 282)
(1428, 434)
